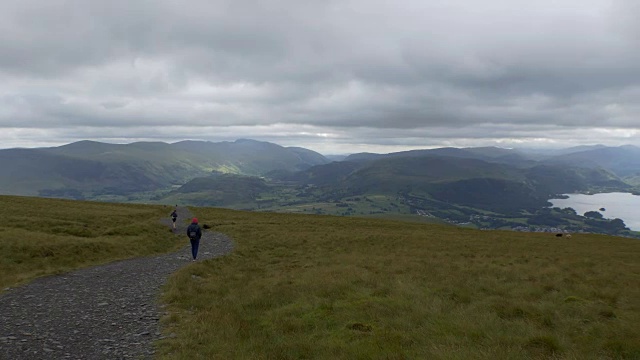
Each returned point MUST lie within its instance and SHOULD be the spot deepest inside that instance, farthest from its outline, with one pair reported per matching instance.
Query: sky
(336, 77)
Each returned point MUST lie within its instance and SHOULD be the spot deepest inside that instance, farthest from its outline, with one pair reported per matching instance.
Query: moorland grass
(47, 236)
(322, 287)
(304, 286)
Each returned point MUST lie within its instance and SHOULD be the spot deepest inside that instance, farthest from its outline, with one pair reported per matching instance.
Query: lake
(623, 206)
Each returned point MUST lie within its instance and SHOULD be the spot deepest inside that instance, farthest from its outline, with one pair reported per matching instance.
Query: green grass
(45, 236)
(320, 287)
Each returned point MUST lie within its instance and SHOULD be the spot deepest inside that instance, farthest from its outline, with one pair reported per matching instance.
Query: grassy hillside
(25, 171)
(322, 287)
(46, 236)
(327, 174)
(93, 170)
(302, 286)
(491, 154)
(251, 157)
(58, 172)
(218, 190)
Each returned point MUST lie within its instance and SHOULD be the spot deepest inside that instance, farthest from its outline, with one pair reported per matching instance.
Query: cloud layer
(334, 76)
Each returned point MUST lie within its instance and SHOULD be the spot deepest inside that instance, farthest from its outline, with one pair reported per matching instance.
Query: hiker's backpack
(193, 234)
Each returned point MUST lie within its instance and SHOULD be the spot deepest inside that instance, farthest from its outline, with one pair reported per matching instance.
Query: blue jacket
(196, 229)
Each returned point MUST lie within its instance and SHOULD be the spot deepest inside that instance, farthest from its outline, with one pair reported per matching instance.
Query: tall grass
(300, 286)
(318, 287)
(47, 236)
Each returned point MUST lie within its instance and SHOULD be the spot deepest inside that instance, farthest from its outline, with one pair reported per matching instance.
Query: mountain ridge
(93, 168)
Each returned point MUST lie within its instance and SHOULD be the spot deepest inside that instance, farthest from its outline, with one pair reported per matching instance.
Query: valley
(482, 188)
(406, 206)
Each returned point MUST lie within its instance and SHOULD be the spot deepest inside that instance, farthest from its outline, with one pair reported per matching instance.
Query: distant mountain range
(88, 168)
(483, 177)
(489, 178)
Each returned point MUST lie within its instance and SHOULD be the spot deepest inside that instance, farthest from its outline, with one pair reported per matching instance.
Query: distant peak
(83, 143)
(86, 142)
(247, 140)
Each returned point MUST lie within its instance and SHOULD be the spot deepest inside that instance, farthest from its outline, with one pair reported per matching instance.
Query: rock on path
(103, 312)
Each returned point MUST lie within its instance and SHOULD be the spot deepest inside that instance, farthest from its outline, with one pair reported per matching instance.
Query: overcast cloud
(334, 76)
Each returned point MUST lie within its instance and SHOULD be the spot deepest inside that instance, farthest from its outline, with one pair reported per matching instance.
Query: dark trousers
(195, 243)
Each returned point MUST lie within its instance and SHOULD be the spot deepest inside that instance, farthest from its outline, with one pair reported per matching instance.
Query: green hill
(40, 237)
(326, 287)
(489, 154)
(393, 174)
(218, 190)
(465, 191)
(250, 157)
(91, 169)
(322, 175)
(45, 173)
(622, 161)
(459, 180)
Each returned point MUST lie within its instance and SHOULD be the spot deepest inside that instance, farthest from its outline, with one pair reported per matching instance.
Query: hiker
(194, 233)
(174, 217)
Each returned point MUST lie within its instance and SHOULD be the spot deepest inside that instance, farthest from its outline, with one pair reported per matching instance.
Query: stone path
(103, 312)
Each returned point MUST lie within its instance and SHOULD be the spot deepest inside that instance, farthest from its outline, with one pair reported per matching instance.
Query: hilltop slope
(87, 168)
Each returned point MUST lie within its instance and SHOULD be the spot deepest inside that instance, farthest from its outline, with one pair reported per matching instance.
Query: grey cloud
(458, 69)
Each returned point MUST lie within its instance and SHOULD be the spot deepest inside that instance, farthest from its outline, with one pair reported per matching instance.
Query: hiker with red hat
(194, 233)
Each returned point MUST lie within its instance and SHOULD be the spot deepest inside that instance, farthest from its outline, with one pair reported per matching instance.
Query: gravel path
(103, 312)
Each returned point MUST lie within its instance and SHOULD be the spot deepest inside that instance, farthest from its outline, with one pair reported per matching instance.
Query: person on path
(194, 233)
(174, 217)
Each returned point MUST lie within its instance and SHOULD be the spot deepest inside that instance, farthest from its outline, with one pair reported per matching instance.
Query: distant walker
(174, 217)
